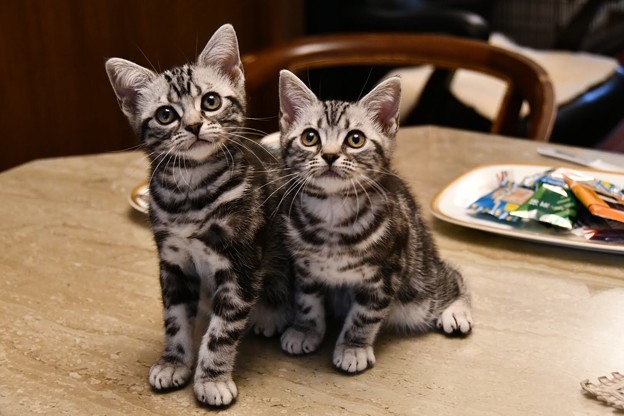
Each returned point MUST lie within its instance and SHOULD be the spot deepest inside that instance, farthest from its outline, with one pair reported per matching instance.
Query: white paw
(456, 318)
(299, 342)
(165, 376)
(353, 359)
(268, 322)
(215, 393)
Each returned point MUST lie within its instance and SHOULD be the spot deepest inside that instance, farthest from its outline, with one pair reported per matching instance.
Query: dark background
(55, 98)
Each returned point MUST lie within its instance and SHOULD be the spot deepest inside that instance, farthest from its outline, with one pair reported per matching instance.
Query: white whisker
(277, 190)
(159, 163)
(277, 180)
(261, 147)
(298, 186)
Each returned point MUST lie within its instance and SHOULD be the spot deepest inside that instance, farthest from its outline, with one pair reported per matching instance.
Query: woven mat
(609, 390)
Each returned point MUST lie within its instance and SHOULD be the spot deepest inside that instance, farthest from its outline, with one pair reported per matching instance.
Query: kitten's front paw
(269, 321)
(215, 393)
(456, 318)
(298, 342)
(353, 359)
(167, 376)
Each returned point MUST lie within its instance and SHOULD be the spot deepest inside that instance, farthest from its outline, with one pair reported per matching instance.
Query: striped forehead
(180, 82)
(334, 115)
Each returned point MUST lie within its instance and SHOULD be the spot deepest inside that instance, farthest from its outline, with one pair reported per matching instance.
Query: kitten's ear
(294, 96)
(127, 79)
(383, 104)
(221, 52)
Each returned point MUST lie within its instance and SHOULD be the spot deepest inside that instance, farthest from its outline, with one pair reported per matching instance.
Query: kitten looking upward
(209, 211)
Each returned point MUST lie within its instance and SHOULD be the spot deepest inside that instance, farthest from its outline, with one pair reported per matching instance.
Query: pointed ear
(127, 79)
(221, 52)
(294, 96)
(383, 104)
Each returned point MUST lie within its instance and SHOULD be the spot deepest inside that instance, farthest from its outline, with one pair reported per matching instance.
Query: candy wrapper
(502, 201)
(591, 227)
(550, 177)
(587, 193)
(592, 208)
(551, 203)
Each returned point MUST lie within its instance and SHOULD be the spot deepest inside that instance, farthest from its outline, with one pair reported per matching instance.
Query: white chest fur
(333, 210)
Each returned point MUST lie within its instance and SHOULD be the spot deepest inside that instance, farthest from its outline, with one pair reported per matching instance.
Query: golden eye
(211, 102)
(355, 139)
(166, 115)
(310, 137)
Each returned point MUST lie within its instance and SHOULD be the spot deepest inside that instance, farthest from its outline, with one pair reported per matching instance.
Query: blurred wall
(55, 98)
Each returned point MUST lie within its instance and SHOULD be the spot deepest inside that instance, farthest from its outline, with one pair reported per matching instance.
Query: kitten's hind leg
(308, 330)
(180, 295)
(273, 310)
(268, 320)
(456, 318)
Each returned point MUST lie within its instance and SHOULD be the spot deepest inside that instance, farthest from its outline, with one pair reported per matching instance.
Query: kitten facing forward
(356, 234)
(209, 211)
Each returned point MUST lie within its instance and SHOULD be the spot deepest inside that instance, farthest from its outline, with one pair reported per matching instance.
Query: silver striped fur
(360, 247)
(209, 211)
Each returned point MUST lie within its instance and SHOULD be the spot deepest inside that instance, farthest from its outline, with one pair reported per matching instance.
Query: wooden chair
(526, 80)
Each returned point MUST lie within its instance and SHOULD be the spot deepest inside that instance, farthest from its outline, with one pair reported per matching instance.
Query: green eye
(355, 139)
(166, 115)
(211, 101)
(310, 137)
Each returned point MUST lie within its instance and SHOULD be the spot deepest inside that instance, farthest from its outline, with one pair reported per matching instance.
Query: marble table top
(80, 313)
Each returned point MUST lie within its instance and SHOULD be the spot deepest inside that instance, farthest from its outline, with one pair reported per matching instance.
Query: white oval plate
(451, 204)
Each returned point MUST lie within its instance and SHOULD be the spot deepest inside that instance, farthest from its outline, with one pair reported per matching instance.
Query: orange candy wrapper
(593, 202)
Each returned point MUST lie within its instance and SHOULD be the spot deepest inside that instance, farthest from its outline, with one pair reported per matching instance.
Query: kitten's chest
(331, 213)
(337, 225)
(188, 205)
(339, 270)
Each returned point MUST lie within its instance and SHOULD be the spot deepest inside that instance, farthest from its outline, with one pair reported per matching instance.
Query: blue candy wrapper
(502, 201)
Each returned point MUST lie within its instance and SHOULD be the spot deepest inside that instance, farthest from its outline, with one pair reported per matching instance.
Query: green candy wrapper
(550, 204)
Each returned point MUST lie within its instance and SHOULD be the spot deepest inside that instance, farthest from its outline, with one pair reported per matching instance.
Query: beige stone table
(80, 319)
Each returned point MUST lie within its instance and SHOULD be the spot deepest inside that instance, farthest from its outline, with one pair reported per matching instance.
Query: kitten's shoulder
(397, 186)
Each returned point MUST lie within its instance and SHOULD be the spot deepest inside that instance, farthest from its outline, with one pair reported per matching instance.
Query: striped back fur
(356, 233)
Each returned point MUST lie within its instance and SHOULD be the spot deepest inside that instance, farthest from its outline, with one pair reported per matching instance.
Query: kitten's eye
(211, 102)
(355, 139)
(310, 137)
(166, 115)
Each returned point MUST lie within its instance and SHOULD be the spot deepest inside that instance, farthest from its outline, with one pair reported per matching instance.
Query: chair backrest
(526, 80)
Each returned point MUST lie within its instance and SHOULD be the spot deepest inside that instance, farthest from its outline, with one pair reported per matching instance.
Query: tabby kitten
(356, 234)
(208, 211)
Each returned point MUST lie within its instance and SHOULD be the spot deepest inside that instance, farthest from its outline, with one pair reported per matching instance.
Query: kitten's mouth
(199, 142)
(330, 174)
(200, 149)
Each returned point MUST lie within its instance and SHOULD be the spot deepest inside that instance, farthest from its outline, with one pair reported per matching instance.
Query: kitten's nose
(330, 158)
(194, 128)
